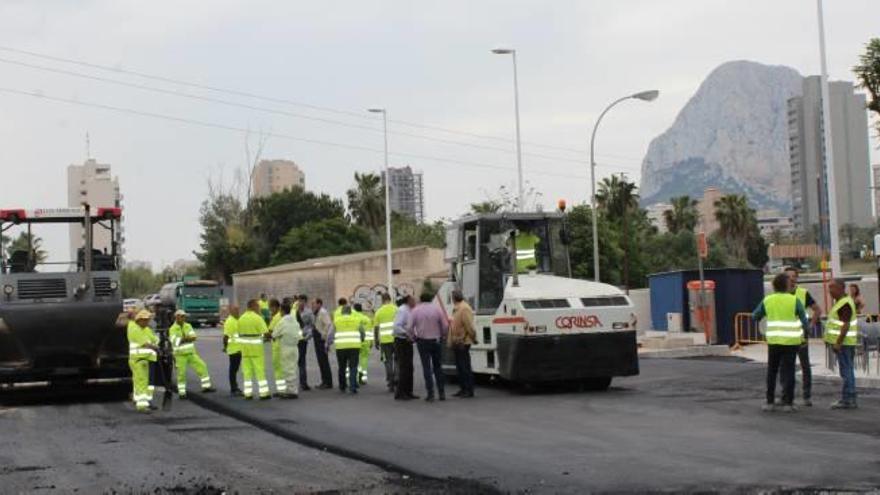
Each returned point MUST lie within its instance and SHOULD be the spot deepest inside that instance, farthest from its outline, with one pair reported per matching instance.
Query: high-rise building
(708, 223)
(772, 221)
(272, 176)
(876, 190)
(849, 135)
(406, 192)
(656, 215)
(92, 183)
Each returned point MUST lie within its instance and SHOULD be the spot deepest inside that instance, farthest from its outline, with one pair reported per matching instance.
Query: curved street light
(519, 169)
(649, 95)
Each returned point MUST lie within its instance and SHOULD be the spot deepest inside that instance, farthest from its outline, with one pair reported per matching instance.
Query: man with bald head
(232, 348)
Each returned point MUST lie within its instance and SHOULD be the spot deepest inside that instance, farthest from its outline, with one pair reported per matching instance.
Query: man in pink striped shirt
(428, 326)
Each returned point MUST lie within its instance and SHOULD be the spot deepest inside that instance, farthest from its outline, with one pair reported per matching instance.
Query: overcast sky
(427, 63)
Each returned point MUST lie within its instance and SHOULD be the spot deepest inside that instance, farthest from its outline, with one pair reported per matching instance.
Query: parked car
(130, 304)
(151, 300)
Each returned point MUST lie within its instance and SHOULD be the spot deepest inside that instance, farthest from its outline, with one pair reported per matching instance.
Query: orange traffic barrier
(745, 331)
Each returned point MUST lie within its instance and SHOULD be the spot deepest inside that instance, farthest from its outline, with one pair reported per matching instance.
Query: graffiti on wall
(370, 296)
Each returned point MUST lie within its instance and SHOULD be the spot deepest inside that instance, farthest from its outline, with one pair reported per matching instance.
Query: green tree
(406, 232)
(327, 237)
(366, 201)
(488, 206)
(139, 282)
(735, 218)
(28, 243)
(226, 244)
(617, 196)
(275, 215)
(683, 216)
(868, 73)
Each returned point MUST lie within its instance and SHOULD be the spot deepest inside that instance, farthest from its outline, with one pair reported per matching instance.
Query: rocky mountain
(732, 134)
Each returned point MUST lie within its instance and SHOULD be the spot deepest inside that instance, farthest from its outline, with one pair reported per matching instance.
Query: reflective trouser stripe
(184, 347)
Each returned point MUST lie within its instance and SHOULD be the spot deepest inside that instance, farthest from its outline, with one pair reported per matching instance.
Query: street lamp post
(650, 95)
(387, 202)
(519, 170)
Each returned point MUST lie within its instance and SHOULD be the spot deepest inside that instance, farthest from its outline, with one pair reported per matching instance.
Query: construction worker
(842, 336)
(347, 335)
(383, 326)
(786, 326)
(143, 348)
(277, 371)
(306, 319)
(814, 312)
(287, 334)
(366, 345)
(526, 246)
(183, 341)
(264, 308)
(231, 347)
(251, 335)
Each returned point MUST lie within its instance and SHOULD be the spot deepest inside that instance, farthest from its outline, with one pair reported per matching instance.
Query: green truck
(199, 298)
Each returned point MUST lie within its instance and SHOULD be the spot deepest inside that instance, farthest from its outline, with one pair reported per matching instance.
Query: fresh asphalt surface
(682, 425)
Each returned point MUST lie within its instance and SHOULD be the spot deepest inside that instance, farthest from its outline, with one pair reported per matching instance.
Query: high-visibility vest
(525, 252)
(137, 337)
(230, 330)
(348, 331)
(783, 325)
(384, 319)
(176, 333)
(367, 323)
(833, 325)
(274, 321)
(251, 328)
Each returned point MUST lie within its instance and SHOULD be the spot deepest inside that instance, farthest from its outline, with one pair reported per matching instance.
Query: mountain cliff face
(732, 134)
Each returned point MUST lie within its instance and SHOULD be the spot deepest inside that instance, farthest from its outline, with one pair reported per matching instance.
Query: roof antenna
(88, 147)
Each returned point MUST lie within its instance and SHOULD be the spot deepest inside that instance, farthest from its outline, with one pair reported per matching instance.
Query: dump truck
(61, 321)
(199, 298)
(534, 322)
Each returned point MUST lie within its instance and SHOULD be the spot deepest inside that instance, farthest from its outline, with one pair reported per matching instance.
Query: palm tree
(683, 216)
(488, 206)
(617, 196)
(366, 201)
(736, 220)
(35, 246)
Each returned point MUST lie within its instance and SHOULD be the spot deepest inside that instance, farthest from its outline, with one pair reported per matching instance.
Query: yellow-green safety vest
(525, 252)
(833, 325)
(251, 328)
(176, 333)
(384, 319)
(137, 337)
(783, 325)
(367, 323)
(348, 334)
(230, 330)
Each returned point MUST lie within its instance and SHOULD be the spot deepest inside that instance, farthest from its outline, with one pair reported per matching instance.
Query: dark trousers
(323, 360)
(845, 365)
(430, 354)
(234, 364)
(780, 361)
(303, 346)
(403, 352)
(463, 368)
(803, 355)
(348, 359)
(388, 358)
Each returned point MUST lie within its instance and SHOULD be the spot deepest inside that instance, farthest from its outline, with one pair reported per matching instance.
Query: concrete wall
(641, 299)
(315, 282)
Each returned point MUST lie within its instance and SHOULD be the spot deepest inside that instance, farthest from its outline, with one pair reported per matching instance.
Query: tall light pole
(387, 202)
(834, 236)
(650, 95)
(519, 170)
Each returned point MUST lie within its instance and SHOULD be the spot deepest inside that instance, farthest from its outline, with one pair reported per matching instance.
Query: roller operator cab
(534, 323)
(61, 321)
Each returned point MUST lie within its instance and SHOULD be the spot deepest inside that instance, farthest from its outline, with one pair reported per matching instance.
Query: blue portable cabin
(737, 290)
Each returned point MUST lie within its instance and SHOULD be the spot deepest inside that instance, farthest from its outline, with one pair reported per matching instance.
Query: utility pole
(829, 150)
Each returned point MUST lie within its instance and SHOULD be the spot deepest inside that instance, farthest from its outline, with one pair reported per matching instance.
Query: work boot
(429, 398)
(467, 395)
(459, 393)
(768, 407)
(789, 408)
(181, 397)
(442, 395)
(807, 402)
(305, 387)
(265, 397)
(209, 390)
(843, 405)
(236, 393)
